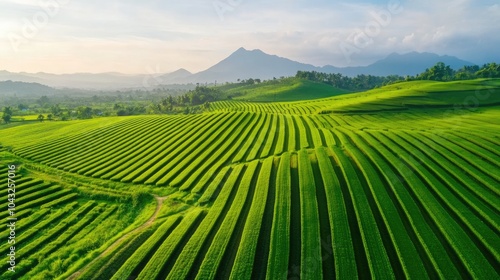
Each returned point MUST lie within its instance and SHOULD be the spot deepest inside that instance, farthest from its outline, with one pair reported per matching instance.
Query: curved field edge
(88, 220)
(387, 195)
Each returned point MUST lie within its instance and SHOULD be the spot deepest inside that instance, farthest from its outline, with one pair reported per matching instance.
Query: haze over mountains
(242, 64)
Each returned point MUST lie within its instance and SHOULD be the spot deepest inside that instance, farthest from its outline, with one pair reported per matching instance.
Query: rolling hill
(22, 89)
(341, 187)
(423, 94)
(290, 89)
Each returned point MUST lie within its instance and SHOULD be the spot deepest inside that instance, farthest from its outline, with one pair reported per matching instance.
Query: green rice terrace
(398, 182)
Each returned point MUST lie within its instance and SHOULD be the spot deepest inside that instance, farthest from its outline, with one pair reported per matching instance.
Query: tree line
(442, 72)
(360, 82)
(438, 72)
(199, 99)
(56, 112)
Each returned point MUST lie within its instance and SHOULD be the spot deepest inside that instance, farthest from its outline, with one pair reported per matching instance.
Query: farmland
(396, 182)
(287, 89)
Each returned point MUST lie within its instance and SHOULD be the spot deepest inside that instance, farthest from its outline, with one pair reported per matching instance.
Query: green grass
(191, 251)
(154, 267)
(53, 220)
(280, 232)
(453, 232)
(396, 182)
(219, 247)
(290, 89)
(432, 248)
(422, 94)
(244, 260)
(147, 249)
(406, 252)
(378, 260)
(310, 252)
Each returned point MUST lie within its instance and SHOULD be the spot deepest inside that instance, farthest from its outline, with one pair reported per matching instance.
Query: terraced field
(397, 97)
(291, 190)
(55, 226)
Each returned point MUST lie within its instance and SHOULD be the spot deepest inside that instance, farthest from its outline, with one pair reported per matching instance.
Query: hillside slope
(424, 94)
(397, 97)
(290, 89)
(286, 189)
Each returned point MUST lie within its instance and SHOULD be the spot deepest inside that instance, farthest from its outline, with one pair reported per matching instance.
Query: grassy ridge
(400, 183)
(58, 226)
(290, 89)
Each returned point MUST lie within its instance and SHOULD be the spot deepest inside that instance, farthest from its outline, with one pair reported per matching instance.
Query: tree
(49, 117)
(43, 101)
(56, 110)
(6, 118)
(466, 72)
(360, 82)
(65, 117)
(40, 118)
(7, 110)
(154, 108)
(490, 70)
(194, 99)
(7, 114)
(170, 101)
(438, 72)
(463, 76)
(84, 112)
(22, 106)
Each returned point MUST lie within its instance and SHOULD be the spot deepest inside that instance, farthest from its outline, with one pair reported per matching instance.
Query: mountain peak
(412, 54)
(244, 64)
(243, 51)
(182, 71)
(411, 63)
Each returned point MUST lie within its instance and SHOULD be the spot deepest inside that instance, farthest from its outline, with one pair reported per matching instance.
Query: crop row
(182, 152)
(419, 238)
(386, 220)
(438, 204)
(397, 203)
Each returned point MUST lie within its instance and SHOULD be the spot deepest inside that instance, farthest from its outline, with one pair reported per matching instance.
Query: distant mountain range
(242, 64)
(22, 89)
(77, 80)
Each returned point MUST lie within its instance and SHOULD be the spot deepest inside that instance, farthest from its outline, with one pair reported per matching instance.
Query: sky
(155, 36)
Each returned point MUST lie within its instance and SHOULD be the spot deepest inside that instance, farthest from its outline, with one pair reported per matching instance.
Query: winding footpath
(148, 223)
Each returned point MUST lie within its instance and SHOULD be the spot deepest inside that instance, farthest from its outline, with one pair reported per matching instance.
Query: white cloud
(129, 36)
(409, 39)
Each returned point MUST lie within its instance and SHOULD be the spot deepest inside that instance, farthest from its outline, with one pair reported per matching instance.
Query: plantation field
(397, 97)
(60, 226)
(290, 89)
(397, 182)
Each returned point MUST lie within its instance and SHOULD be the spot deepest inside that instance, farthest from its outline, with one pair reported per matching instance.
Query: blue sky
(67, 36)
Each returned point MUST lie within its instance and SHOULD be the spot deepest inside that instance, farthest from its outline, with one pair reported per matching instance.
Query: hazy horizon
(154, 37)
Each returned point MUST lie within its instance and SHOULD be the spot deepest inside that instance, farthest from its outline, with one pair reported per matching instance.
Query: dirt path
(148, 223)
